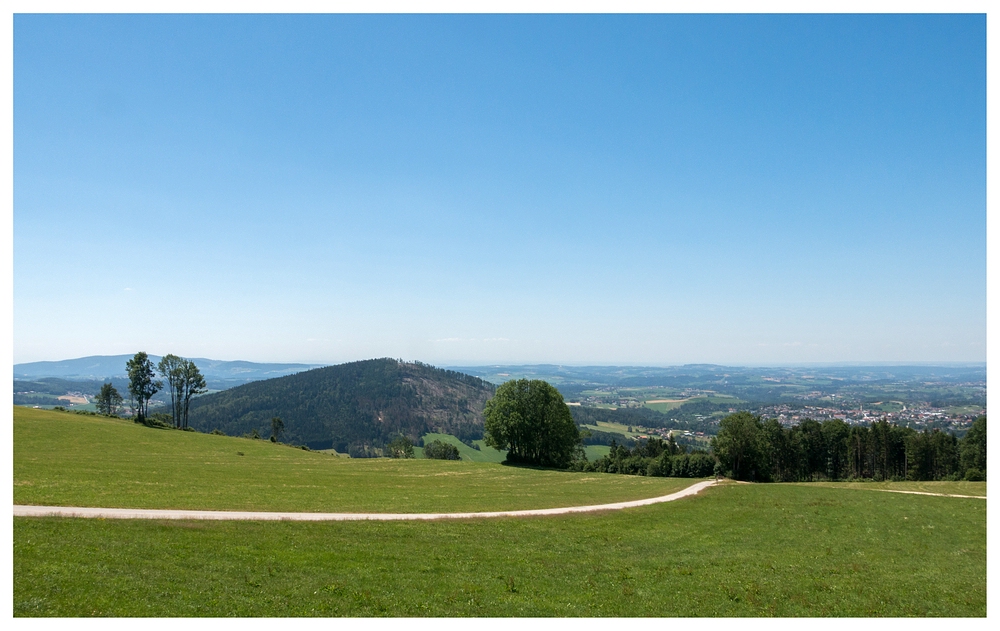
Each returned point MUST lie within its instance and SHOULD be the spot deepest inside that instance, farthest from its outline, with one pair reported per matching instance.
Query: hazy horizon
(631, 190)
(459, 364)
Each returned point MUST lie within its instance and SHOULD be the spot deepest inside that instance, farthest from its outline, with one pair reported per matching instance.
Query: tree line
(752, 449)
(652, 457)
(183, 378)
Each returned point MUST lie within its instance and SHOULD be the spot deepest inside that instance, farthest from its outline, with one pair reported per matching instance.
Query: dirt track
(144, 513)
(975, 497)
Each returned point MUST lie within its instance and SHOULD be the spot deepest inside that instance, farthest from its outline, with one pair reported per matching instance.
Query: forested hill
(356, 407)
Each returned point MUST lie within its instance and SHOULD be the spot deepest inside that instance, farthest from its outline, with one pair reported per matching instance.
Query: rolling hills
(99, 368)
(355, 407)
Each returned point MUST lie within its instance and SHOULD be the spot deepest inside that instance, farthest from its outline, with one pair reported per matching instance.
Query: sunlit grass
(948, 488)
(735, 550)
(483, 454)
(65, 459)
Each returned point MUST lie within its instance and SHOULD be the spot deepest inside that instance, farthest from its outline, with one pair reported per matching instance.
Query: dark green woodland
(357, 408)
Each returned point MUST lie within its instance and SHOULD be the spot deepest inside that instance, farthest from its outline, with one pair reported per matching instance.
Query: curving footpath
(973, 497)
(146, 513)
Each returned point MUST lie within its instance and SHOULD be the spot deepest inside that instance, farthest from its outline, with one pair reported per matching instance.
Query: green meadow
(483, 454)
(595, 452)
(733, 550)
(966, 409)
(67, 459)
(614, 428)
(666, 406)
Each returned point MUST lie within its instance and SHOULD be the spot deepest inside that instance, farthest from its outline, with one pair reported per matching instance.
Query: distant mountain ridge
(110, 366)
(356, 407)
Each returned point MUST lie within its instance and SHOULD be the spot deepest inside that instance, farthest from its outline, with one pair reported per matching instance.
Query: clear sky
(501, 189)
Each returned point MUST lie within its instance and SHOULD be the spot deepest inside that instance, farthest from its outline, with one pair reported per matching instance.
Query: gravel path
(145, 513)
(976, 497)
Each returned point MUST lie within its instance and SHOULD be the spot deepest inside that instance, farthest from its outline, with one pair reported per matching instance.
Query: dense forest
(752, 449)
(355, 408)
(749, 448)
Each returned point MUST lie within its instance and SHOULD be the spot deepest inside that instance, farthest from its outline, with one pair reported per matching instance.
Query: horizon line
(579, 364)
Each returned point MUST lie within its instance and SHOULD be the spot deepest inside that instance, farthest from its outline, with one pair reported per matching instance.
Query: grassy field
(948, 488)
(664, 406)
(885, 406)
(965, 409)
(614, 428)
(66, 459)
(595, 452)
(483, 454)
(492, 454)
(667, 406)
(735, 550)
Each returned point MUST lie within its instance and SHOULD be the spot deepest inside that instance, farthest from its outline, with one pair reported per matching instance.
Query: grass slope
(612, 428)
(664, 406)
(484, 454)
(667, 406)
(595, 452)
(66, 459)
(737, 550)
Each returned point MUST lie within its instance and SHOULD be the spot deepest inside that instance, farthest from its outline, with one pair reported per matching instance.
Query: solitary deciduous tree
(740, 447)
(400, 447)
(439, 450)
(530, 420)
(277, 426)
(108, 401)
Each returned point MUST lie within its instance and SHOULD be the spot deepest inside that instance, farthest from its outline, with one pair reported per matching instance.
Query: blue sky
(500, 189)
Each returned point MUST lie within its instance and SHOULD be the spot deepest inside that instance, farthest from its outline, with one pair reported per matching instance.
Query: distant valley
(70, 382)
(356, 407)
(220, 374)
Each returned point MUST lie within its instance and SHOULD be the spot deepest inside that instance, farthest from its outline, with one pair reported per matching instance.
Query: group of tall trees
(184, 381)
(749, 448)
(108, 400)
(142, 384)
